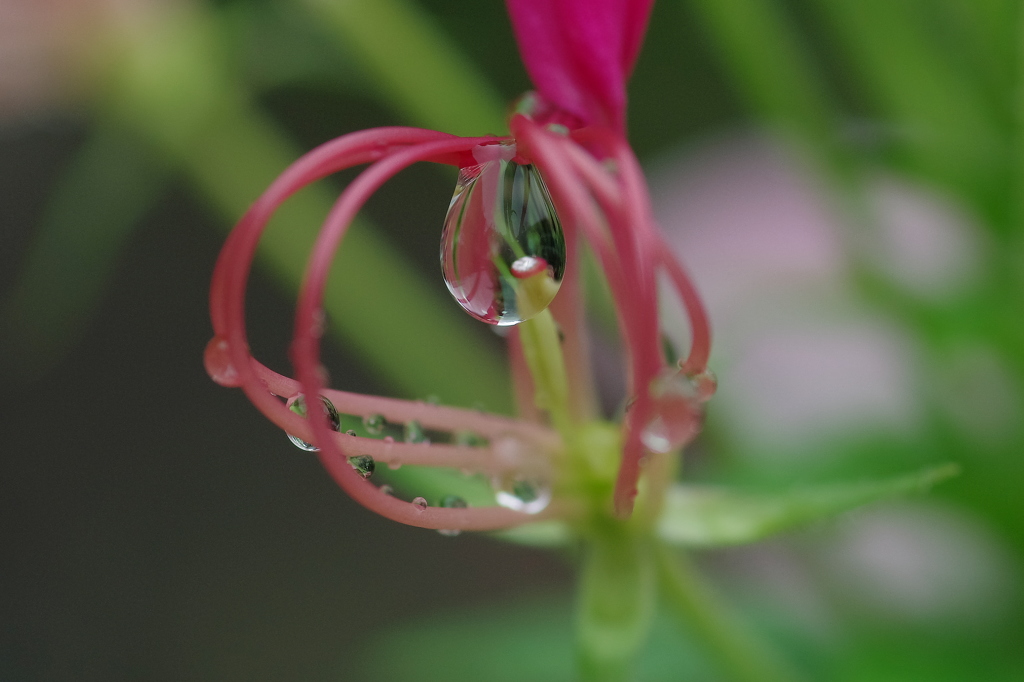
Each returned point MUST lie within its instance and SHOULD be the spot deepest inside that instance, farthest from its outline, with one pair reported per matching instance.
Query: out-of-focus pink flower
(46, 44)
(579, 54)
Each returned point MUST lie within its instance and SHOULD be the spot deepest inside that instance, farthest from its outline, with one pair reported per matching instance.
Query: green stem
(742, 657)
(543, 352)
(616, 601)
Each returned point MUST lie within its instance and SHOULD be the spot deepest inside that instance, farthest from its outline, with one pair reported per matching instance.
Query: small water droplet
(676, 417)
(502, 249)
(387, 489)
(217, 360)
(394, 466)
(389, 440)
(524, 495)
(705, 384)
(414, 432)
(452, 502)
(351, 432)
(509, 451)
(319, 323)
(364, 464)
(297, 404)
(419, 503)
(469, 439)
(374, 424)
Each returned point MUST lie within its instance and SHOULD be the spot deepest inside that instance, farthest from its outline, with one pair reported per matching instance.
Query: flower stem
(543, 352)
(616, 601)
(740, 655)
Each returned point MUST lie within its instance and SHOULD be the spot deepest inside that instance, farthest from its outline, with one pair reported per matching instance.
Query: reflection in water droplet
(297, 404)
(452, 502)
(677, 414)
(524, 495)
(414, 432)
(364, 464)
(217, 361)
(374, 424)
(419, 503)
(502, 249)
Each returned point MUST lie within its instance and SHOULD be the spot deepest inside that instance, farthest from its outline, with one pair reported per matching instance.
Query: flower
(510, 243)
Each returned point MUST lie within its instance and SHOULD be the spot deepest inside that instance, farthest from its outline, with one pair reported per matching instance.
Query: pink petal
(579, 53)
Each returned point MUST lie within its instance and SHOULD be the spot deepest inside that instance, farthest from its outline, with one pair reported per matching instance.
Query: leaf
(708, 517)
(528, 639)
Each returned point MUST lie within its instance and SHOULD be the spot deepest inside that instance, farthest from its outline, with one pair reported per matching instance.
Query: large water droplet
(363, 464)
(217, 360)
(297, 404)
(502, 250)
(524, 495)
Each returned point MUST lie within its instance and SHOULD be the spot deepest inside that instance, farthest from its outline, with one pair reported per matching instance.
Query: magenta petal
(579, 53)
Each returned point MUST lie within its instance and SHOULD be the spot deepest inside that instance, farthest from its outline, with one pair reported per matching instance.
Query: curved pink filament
(306, 350)
(398, 147)
(630, 260)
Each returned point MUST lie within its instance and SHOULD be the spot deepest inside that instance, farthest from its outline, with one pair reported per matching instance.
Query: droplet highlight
(502, 249)
(297, 404)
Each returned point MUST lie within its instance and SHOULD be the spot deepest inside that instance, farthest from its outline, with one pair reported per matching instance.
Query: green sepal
(696, 516)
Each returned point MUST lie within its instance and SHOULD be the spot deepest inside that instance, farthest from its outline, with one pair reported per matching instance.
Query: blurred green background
(843, 177)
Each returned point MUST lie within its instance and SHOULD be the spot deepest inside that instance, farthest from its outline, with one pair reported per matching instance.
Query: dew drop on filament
(363, 464)
(217, 360)
(522, 495)
(677, 414)
(502, 249)
(297, 404)
(452, 502)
